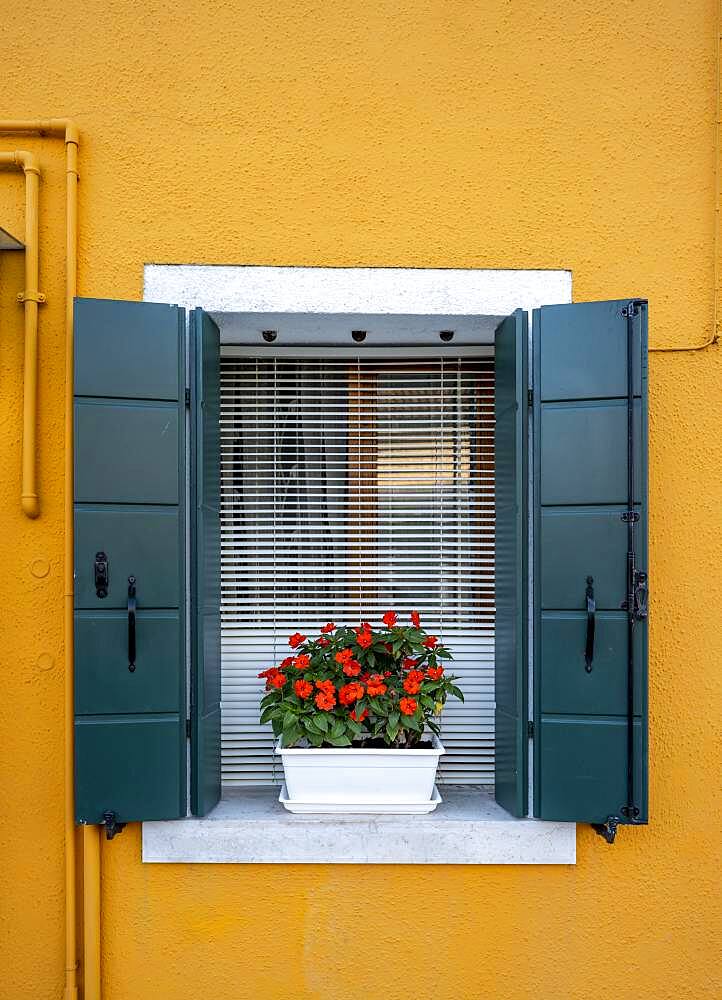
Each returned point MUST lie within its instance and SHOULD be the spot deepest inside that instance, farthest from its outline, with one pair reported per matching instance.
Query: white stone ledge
(468, 828)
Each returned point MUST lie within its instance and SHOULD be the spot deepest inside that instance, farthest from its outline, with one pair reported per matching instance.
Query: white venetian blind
(350, 487)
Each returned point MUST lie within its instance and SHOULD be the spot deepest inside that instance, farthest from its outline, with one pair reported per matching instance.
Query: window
(350, 486)
(570, 516)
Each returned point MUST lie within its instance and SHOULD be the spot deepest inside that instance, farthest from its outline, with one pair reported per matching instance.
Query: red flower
(408, 706)
(364, 639)
(376, 685)
(411, 687)
(303, 688)
(352, 668)
(387, 673)
(329, 627)
(323, 641)
(350, 693)
(302, 661)
(430, 641)
(325, 701)
(326, 687)
(434, 673)
(344, 655)
(390, 618)
(388, 647)
(358, 718)
(270, 672)
(409, 662)
(278, 680)
(364, 627)
(415, 676)
(365, 677)
(286, 663)
(415, 620)
(296, 639)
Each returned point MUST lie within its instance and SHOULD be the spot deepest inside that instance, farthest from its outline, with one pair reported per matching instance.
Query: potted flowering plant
(355, 714)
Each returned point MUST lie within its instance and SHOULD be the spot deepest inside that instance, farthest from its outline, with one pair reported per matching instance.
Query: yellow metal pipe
(67, 129)
(91, 913)
(30, 297)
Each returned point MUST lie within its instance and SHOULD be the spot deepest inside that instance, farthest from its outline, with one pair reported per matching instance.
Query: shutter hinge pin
(188, 397)
(188, 729)
(530, 397)
(630, 516)
(530, 729)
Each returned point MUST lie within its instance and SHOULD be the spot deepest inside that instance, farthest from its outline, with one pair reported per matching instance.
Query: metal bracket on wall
(111, 824)
(607, 829)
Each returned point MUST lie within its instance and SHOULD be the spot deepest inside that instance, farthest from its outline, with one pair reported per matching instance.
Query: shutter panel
(129, 509)
(590, 717)
(511, 547)
(205, 565)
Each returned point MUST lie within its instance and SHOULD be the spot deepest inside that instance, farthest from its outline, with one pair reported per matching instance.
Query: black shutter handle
(131, 623)
(591, 624)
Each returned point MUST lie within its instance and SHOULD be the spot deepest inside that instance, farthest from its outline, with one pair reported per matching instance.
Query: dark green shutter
(205, 565)
(130, 476)
(511, 547)
(582, 745)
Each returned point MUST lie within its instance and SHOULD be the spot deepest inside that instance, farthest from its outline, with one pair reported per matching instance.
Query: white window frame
(254, 828)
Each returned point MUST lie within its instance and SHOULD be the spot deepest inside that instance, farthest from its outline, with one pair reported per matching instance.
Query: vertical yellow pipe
(91, 913)
(29, 496)
(30, 297)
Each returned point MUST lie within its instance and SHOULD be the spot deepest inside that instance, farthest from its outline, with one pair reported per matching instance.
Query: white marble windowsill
(249, 826)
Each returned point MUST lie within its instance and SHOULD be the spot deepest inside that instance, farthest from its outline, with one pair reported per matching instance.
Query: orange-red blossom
(350, 693)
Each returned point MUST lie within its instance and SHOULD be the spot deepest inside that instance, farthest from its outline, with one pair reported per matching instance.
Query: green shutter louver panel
(130, 472)
(205, 565)
(511, 548)
(590, 737)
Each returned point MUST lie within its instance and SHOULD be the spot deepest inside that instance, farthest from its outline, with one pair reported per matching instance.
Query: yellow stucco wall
(440, 134)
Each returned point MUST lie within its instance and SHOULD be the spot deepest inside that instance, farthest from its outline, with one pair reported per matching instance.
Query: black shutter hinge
(530, 397)
(630, 516)
(530, 729)
(607, 829)
(188, 397)
(188, 729)
(111, 824)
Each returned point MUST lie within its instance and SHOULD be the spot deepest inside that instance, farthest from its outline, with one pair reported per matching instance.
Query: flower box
(360, 780)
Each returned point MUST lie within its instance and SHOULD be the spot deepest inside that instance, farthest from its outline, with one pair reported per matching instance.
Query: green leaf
(268, 713)
(338, 741)
(393, 719)
(291, 734)
(322, 722)
(338, 728)
(392, 731)
(433, 727)
(411, 722)
(453, 689)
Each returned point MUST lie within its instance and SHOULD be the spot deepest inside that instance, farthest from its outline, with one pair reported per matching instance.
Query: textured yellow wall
(439, 134)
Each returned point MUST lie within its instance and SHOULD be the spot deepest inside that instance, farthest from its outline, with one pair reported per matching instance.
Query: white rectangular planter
(348, 779)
